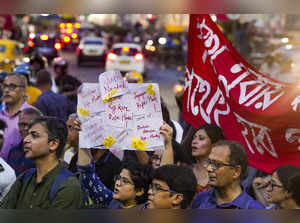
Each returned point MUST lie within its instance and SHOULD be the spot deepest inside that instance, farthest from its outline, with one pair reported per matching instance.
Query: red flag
(222, 88)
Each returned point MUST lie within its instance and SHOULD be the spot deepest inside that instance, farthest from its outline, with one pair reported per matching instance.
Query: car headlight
(26, 59)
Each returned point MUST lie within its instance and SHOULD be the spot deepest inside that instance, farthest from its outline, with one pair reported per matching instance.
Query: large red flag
(222, 88)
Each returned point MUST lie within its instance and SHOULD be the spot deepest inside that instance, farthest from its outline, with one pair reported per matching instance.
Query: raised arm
(168, 155)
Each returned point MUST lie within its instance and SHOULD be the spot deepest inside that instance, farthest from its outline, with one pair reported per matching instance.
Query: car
(11, 54)
(126, 57)
(46, 45)
(91, 48)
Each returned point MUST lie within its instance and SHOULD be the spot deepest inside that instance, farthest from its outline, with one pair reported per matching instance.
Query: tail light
(69, 30)
(57, 46)
(31, 44)
(62, 25)
(67, 39)
(69, 25)
(25, 49)
(78, 50)
(178, 88)
(31, 36)
(77, 25)
(111, 56)
(139, 56)
(44, 37)
(74, 35)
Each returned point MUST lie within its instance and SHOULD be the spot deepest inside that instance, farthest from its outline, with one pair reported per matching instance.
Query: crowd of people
(43, 167)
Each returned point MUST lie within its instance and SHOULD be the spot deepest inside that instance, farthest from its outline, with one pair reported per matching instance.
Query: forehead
(40, 128)
(23, 116)
(125, 173)
(220, 153)
(160, 182)
(201, 132)
(12, 80)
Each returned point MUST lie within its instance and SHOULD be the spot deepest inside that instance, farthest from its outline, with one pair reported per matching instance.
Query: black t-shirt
(106, 168)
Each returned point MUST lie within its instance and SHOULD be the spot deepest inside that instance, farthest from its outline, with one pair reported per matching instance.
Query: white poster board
(130, 120)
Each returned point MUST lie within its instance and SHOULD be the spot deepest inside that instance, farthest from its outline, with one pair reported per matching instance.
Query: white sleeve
(179, 131)
(7, 179)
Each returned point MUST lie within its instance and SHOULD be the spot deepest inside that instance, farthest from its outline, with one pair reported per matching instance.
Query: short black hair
(43, 77)
(141, 175)
(56, 129)
(289, 176)
(3, 124)
(179, 154)
(32, 112)
(238, 156)
(180, 179)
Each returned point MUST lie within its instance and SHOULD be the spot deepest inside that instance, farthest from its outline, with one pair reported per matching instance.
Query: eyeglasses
(215, 165)
(272, 185)
(122, 180)
(156, 188)
(12, 87)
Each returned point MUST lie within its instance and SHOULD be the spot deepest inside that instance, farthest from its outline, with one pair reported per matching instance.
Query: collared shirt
(33, 195)
(11, 137)
(16, 159)
(53, 104)
(7, 178)
(207, 200)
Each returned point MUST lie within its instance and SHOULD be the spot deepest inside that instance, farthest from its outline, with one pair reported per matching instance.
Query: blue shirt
(53, 104)
(207, 200)
(16, 159)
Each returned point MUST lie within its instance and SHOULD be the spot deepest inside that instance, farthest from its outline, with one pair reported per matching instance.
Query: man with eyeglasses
(16, 156)
(227, 166)
(14, 97)
(173, 187)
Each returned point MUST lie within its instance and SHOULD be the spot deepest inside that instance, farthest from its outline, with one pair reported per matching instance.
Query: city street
(166, 78)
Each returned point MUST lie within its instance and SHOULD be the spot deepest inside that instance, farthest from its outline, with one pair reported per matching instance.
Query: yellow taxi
(11, 53)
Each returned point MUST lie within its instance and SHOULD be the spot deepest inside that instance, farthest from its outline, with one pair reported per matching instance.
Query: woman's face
(124, 187)
(201, 144)
(275, 190)
(156, 159)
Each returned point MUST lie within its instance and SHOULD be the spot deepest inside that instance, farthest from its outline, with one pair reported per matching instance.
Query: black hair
(32, 112)
(43, 77)
(141, 175)
(237, 156)
(56, 129)
(179, 154)
(180, 179)
(289, 176)
(214, 132)
(3, 124)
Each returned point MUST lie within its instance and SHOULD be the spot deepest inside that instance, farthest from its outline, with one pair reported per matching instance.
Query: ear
(177, 199)
(237, 171)
(53, 145)
(140, 192)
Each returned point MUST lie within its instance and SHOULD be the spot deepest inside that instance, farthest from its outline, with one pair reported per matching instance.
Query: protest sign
(112, 85)
(130, 121)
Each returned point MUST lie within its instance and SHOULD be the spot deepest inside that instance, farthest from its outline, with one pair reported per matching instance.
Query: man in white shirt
(7, 174)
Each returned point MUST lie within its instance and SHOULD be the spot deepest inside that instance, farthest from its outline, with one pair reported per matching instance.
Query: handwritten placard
(89, 99)
(112, 85)
(147, 115)
(131, 121)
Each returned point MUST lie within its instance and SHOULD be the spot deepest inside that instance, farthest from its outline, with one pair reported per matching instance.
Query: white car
(125, 57)
(91, 49)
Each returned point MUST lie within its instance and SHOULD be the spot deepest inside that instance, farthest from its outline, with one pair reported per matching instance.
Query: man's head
(43, 80)
(60, 66)
(14, 89)
(73, 134)
(173, 187)
(227, 164)
(47, 136)
(25, 118)
(37, 63)
(3, 126)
